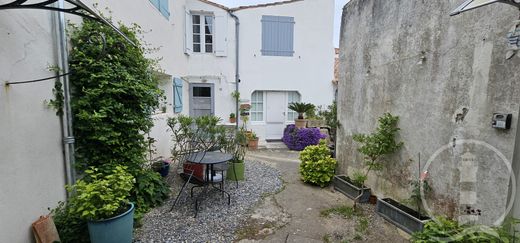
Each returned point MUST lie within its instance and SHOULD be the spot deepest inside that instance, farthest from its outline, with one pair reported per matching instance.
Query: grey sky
(337, 18)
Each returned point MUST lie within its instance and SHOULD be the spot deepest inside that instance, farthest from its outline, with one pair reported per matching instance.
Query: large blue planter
(117, 229)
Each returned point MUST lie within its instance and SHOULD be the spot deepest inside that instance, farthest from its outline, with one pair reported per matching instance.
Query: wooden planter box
(343, 184)
(400, 215)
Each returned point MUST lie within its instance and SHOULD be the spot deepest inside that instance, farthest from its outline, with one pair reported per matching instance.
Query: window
(257, 106)
(292, 96)
(277, 36)
(202, 33)
(162, 6)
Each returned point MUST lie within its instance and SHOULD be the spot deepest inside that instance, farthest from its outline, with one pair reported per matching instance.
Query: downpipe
(237, 63)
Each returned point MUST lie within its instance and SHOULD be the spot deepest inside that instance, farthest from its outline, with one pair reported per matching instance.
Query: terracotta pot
(252, 144)
(372, 199)
(232, 120)
(300, 123)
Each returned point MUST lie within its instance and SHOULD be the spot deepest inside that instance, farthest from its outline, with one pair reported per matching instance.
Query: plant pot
(116, 229)
(252, 144)
(300, 123)
(400, 215)
(372, 200)
(235, 171)
(232, 120)
(162, 169)
(344, 185)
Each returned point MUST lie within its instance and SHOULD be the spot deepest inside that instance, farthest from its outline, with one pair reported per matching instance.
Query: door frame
(212, 86)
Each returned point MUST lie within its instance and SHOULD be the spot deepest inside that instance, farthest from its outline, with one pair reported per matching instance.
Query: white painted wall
(309, 71)
(32, 170)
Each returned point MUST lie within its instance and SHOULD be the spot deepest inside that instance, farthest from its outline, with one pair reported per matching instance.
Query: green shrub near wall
(317, 166)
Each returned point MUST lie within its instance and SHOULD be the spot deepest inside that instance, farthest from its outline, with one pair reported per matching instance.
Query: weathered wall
(412, 59)
(32, 176)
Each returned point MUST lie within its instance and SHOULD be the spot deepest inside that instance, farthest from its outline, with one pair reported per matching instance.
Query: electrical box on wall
(501, 121)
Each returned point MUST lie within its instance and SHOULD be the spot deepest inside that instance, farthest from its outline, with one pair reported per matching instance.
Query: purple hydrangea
(299, 138)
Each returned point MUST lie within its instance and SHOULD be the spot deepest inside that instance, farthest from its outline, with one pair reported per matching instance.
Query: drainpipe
(237, 63)
(63, 64)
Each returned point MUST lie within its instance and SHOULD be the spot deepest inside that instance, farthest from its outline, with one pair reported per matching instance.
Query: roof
(248, 6)
(264, 5)
(215, 4)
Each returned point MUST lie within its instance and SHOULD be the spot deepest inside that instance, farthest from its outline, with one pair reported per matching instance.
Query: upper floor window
(277, 36)
(257, 106)
(202, 33)
(162, 6)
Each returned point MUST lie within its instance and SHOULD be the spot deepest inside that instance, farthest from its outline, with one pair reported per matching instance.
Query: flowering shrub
(299, 138)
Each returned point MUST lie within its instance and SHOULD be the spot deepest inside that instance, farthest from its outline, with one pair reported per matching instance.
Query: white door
(275, 115)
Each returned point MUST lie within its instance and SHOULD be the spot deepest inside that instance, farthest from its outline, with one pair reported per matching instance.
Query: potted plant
(353, 188)
(252, 141)
(237, 147)
(232, 118)
(300, 108)
(102, 200)
(161, 166)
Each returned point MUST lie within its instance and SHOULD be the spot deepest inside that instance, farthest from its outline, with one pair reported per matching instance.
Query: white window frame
(202, 29)
(263, 108)
(289, 111)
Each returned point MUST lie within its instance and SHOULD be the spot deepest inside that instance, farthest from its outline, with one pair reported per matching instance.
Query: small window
(257, 106)
(201, 92)
(277, 36)
(292, 96)
(202, 33)
(162, 6)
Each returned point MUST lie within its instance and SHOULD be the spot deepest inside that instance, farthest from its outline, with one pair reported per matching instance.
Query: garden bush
(299, 138)
(317, 166)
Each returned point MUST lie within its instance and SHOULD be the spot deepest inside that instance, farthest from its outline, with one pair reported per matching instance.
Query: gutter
(66, 120)
(237, 63)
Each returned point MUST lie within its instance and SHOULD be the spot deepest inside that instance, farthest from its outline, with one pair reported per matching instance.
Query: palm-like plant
(301, 108)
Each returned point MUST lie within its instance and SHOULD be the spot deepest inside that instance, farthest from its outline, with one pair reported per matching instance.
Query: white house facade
(285, 54)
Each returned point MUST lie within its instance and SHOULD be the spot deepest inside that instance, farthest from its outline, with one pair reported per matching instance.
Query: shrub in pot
(300, 108)
(102, 200)
(161, 166)
(317, 166)
(252, 141)
(237, 147)
(232, 118)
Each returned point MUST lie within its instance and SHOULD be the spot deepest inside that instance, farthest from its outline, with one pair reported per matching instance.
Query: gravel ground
(216, 221)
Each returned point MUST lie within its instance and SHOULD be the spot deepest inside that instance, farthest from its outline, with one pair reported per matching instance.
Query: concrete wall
(410, 58)
(32, 174)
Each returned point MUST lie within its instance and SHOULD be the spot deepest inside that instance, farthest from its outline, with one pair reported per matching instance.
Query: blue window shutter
(155, 3)
(164, 8)
(177, 95)
(277, 36)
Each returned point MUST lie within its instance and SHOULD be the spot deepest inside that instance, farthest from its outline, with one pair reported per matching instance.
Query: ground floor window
(257, 106)
(292, 96)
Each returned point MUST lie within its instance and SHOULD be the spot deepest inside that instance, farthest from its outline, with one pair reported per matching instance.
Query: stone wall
(444, 77)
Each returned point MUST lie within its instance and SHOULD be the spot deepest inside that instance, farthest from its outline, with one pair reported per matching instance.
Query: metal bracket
(78, 8)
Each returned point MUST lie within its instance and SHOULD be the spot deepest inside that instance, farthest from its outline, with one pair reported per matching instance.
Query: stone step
(275, 145)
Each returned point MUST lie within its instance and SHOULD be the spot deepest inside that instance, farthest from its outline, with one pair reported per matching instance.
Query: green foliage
(58, 102)
(151, 191)
(415, 196)
(343, 210)
(101, 196)
(330, 115)
(236, 95)
(362, 225)
(71, 228)
(114, 92)
(317, 166)
(300, 108)
(232, 115)
(359, 178)
(446, 230)
(379, 143)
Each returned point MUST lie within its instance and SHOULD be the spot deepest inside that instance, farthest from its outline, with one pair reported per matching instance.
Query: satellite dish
(473, 4)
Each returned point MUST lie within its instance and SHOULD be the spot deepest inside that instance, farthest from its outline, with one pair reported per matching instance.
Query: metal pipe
(237, 63)
(62, 62)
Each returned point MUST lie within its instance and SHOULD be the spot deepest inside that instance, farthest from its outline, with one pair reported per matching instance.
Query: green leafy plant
(415, 196)
(114, 92)
(446, 230)
(343, 210)
(71, 227)
(151, 192)
(301, 108)
(379, 143)
(232, 115)
(317, 166)
(359, 178)
(236, 95)
(330, 115)
(101, 196)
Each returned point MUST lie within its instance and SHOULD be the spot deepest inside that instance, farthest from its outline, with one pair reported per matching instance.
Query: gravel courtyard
(216, 221)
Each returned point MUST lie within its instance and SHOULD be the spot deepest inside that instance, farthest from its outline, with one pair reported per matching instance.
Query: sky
(337, 12)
